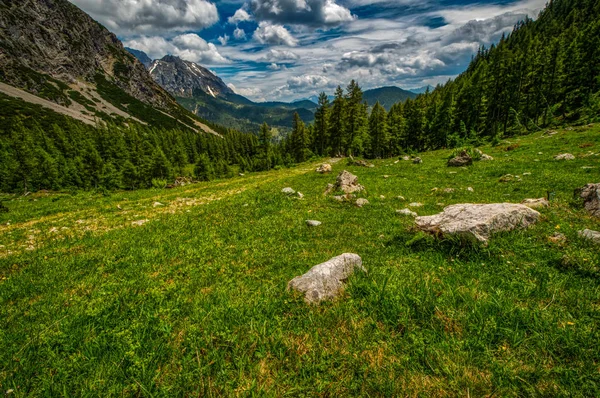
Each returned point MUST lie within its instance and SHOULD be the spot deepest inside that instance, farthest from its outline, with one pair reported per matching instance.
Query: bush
(474, 153)
(159, 183)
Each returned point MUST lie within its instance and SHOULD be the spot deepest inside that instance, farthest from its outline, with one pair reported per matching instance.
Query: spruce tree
(379, 134)
(337, 123)
(321, 125)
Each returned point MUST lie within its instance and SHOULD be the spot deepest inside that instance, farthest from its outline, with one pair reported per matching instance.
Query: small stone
(449, 190)
(588, 234)
(313, 223)
(386, 176)
(400, 198)
(405, 157)
(526, 174)
(139, 222)
(470, 189)
(361, 202)
(325, 168)
(339, 198)
(486, 158)
(415, 204)
(288, 191)
(330, 188)
(417, 160)
(564, 156)
(300, 195)
(381, 197)
(407, 212)
(157, 204)
(536, 203)
(348, 183)
(53, 230)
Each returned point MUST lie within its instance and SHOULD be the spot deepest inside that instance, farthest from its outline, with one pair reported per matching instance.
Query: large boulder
(348, 183)
(326, 281)
(591, 198)
(478, 221)
(463, 159)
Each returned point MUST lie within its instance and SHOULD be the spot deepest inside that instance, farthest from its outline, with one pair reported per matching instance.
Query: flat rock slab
(478, 221)
(591, 196)
(588, 234)
(325, 281)
(288, 191)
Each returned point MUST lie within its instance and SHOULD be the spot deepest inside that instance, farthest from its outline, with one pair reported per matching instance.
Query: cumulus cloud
(240, 15)
(301, 82)
(239, 34)
(301, 12)
(279, 55)
(223, 40)
(154, 17)
(266, 33)
(190, 47)
(253, 92)
(485, 30)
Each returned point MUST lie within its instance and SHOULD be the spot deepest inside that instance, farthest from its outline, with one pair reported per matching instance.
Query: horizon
(289, 50)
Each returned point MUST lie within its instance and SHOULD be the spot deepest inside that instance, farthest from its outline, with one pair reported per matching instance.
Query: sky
(286, 50)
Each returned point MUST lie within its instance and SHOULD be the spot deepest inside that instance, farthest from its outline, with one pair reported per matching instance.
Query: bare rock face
(591, 197)
(478, 221)
(326, 280)
(348, 183)
(461, 160)
(536, 203)
(588, 234)
(325, 168)
(564, 156)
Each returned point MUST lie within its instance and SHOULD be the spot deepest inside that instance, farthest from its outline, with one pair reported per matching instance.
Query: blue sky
(292, 49)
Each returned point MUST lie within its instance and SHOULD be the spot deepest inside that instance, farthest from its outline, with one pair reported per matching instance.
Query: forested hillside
(545, 73)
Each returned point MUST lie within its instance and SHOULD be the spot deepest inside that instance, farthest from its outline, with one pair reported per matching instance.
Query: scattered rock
(325, 281)
(417, 160)
(407, 212)
(139, 222)
(313, 223)
(53, 230)
(485, 157)
(241, 174)
(536, 203)
(348, 183)
(591, 198)
(588, 234)
(463, 159)
(406, 158)
(478, 152)
(382, 197)
(449, 190)
(415, 204)
(361, 202)
(157, 204)
(339, 198)
(478, 221)
(470, 189)
(558, 238)
(400, 198)
(182, 181)
(509, 178)
(386, 176)
(288, 191)
(300, 195)
(526, 174)
(550, 133)
(325, 168)
(564, 156)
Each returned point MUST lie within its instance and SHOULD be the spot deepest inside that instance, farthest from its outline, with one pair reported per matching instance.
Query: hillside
(183, 292)
(52, 49)
(387, 96)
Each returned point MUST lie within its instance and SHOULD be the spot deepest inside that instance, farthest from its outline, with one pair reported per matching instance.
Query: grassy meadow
(182, 292)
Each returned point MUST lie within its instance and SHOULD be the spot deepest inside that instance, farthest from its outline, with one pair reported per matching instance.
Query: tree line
(545, 73)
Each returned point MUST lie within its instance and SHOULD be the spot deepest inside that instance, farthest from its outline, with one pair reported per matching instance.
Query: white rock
(361, 202)
(325, 281)
(139, 222)
(564, 156)
(591, 197)
(407, 212)
(588, 234)
(157, 204)
(486, 158)
(470, 189)
(400, 198)
(415, 204)
(324, 168)
(300, 195)
(288, 191)
(313, 223)
(478, 221)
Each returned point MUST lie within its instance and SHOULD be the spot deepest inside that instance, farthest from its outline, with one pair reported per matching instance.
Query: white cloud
(240, 15)
(223, 40)
(153, 17)
(190, 47)
(239, 34)
(267, 33)
(279, 55)
(301, 12)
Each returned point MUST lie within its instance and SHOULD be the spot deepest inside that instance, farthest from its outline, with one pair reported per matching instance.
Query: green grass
(194, 302)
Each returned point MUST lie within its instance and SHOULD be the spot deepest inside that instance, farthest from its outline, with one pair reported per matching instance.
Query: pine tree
(204, 168)
(299, 142)
(264, 139)
(321, 126)
(337, 123)
(379, 134)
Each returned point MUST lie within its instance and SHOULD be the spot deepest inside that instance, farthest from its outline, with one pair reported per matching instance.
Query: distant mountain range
(205, 94)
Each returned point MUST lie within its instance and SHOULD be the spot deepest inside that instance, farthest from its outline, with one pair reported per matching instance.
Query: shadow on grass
(421, 242)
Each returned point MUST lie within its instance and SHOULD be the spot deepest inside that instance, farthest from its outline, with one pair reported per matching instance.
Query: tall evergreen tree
(321, 126)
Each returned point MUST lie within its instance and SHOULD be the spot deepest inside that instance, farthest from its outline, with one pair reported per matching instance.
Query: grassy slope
(194, 301)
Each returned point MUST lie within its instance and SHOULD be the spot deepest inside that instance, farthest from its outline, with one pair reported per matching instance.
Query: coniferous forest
(545, 73)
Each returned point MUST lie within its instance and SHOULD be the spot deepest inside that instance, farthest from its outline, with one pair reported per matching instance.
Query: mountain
(52, 50)
(183, 78)
(422, 90)
(207, 96)
(387, 96)
(141, 56)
